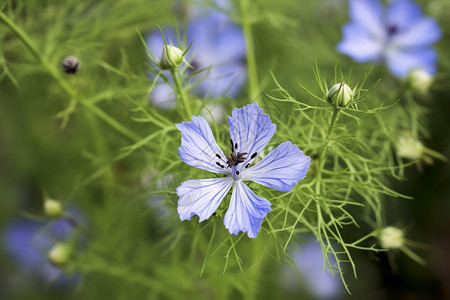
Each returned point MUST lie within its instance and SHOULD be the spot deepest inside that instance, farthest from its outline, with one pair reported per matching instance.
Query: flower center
(391, 29)
(235, 157)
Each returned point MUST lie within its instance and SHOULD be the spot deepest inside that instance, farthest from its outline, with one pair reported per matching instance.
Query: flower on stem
(30, 244)
(250, 131)
(399, 35)
(218, 49)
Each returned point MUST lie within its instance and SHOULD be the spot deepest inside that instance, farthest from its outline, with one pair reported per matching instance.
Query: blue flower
(218, 44)
(250, 131)
(28, 242)
(399, 35)
(316, 280)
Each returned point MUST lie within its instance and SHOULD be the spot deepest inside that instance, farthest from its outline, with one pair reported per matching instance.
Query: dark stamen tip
(237, 172)
(218, 156)
(235, 146)
(254, 155)
(248, 165)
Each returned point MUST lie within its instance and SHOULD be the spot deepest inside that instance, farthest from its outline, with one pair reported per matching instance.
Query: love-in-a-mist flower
(218, 47)
(33, 245)
(29, 243)
(398, 34)
(313, 278)
(250, 131)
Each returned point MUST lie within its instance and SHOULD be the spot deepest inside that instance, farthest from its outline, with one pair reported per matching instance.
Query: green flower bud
(409, 147)
(340, 95)
(171, 58)
(60, 254)
(391, 237)
(53, 209)
(419, 81)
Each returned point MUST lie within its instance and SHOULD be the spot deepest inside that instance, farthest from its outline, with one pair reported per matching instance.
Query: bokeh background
(78, 164)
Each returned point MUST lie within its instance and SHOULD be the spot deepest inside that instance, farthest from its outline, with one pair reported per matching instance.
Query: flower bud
(59, 255)
(419, 81)
(53, 209)
(409, 147)
(71, 65)
(171, 58)
(340, 95)
(391, 237)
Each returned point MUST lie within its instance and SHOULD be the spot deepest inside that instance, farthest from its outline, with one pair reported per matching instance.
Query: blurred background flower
(311, 276)
(218, 48)
(28, 243)
(398, 34)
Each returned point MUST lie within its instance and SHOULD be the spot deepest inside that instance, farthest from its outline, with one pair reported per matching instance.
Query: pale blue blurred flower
(312, 279)
(309, 260)
(398, 35)
(218, 44)
(250, 131)
(28, 242)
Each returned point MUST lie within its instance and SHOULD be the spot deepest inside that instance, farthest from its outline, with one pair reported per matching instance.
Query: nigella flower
(218, 44)
(250, 131)
(399, 35)
(314, 279)
(29, 242)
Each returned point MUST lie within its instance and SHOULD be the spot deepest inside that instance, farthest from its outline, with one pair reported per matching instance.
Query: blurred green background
(78, 164)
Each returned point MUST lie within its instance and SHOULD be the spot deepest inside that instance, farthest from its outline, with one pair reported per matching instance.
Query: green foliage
(93, 140)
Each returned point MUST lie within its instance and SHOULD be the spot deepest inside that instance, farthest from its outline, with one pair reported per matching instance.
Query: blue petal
(246, 211)
(219, 44)
(201, 197)
(281, 169)
(163, 96)
(222, 81)
(402, 14)
(155, 41)
(423, 33)
(360, 45)
(230, 45)
(27, 243)
(367, 14)
(198, 146)
(251, 130)
(400, 62)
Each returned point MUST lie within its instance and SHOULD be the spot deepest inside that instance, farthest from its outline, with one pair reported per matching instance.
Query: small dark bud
(71, 65)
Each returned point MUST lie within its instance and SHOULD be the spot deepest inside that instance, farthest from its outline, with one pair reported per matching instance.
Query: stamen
(253, 155)
(235, 146)
(218, 163)
(392, 29)
(237, 172)
(218, 156)
(232, 144)
(247, 165)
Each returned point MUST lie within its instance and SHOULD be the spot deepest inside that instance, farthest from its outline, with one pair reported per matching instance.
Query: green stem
(180, 93)
(321, 157)
(63, 83)
(251, 61)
